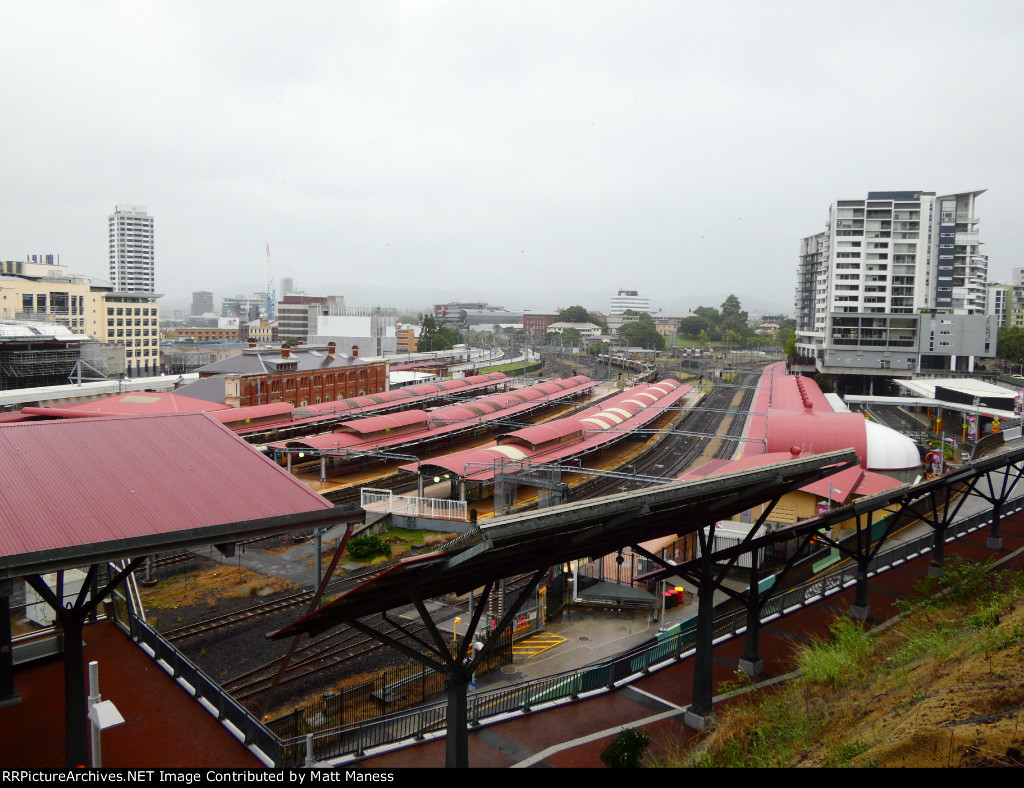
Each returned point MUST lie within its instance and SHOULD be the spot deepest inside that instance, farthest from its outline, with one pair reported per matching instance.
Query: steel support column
(8, 693)
(700, 714)
(72, 620)
(751, 662)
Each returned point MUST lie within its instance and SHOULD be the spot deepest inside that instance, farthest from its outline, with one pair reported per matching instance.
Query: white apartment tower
(132, 268)
(898, 253)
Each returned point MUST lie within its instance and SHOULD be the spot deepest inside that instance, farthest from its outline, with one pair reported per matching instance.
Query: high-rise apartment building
(881, 264)
(132, 267)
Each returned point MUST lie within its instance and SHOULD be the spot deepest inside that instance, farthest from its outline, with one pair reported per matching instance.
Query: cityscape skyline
(664, 148)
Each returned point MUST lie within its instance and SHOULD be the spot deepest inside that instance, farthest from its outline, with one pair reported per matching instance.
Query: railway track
(676, 453)
(669, 458)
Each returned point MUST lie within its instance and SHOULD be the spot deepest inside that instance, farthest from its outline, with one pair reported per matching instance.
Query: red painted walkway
(164, 726)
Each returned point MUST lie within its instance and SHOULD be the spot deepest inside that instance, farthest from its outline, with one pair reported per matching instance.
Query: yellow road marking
(536, 644)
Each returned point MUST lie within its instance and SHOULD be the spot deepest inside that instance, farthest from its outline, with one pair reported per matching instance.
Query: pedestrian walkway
(164, 726)
(574, 734)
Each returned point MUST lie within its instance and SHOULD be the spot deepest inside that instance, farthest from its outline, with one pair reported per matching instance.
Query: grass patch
(207, 586)
(844, 656)
(911, 695)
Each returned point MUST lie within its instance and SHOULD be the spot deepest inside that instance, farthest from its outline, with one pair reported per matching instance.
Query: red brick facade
(308, 387)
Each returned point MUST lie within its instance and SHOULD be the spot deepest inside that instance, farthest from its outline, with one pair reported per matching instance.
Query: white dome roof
(889, 450)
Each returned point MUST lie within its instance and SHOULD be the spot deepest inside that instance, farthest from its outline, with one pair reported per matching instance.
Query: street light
(831, 489)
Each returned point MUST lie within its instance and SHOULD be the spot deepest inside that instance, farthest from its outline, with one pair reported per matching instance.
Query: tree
(568, 335)
(435, 337)
(693, 325)
(1010, 345)
(642, 332)
(579, 314)
(731, 307)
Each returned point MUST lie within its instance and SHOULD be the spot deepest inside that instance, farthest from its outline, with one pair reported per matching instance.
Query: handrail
(351, 741)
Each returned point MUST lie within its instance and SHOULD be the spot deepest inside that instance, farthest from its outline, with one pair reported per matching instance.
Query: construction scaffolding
(38, 363)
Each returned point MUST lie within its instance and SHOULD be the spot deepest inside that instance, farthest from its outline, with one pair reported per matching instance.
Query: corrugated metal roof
(479, 464)
(146, 402)
(235, 415)
(389, 421)
(77, 482)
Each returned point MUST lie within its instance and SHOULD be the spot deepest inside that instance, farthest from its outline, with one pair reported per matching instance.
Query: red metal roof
(130, 403)
(76, 482)
(449, 419)
(790, 410)
(600, 425)
(235, 415)
(388, 421)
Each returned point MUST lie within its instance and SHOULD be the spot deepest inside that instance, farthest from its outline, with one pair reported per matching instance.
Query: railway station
(415, 430)
(801, 480)
(564, 441)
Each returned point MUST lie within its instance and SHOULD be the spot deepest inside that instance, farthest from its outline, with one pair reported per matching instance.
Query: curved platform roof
(349, 435)
(791, 411)
(598, 426)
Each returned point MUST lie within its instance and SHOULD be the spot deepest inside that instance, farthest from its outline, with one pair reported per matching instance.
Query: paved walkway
(164, 726)
(573, 735)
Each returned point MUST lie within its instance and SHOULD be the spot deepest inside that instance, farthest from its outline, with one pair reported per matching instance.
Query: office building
(629, 299)
(132, 261)
(202, 303)
(47, 292)
(896, 281)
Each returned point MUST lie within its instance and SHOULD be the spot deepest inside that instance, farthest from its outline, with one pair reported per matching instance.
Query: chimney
(331, 348)
(355, 351)
(286, 352)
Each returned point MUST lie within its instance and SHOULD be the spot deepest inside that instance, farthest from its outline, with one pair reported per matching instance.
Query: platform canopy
(83, 491)
(517, 544)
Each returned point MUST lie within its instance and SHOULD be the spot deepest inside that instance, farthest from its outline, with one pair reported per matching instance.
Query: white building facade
(629, 299)
(879, 266)
(132, 259)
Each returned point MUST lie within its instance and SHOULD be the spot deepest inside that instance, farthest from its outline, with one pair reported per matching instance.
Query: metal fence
(352, 741)
(386, 502)
(242, 724)
(284, 742)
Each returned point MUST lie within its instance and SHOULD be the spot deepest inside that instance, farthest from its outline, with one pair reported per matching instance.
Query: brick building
(300, 376)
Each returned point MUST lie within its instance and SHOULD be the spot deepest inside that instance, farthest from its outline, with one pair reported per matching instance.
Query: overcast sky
(534, 154)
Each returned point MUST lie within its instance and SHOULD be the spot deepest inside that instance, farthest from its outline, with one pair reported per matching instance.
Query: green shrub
(365, 548)
(626, 751)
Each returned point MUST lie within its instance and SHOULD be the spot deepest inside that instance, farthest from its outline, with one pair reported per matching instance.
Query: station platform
(164, 727)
